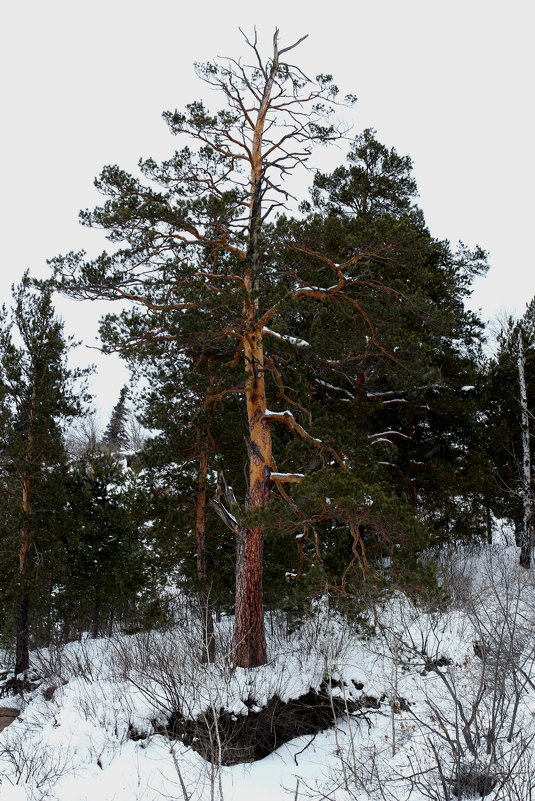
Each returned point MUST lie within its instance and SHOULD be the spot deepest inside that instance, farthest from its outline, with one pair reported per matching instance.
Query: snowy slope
(73, 739)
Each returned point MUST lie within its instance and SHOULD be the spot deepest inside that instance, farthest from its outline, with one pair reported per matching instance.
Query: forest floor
(429, 705)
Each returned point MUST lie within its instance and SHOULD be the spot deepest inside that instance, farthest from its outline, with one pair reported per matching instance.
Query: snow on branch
(315, 290)
(300, 343)
(341, 390)
(381, 394)
(388, 434)
(289, 420)
(291, 478)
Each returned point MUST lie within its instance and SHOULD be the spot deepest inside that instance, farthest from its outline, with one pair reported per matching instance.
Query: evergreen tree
(406, 389)
(180, 402)
(115, 436)
(37, 397)
(312, 323)
(206, 237)
(108, 575)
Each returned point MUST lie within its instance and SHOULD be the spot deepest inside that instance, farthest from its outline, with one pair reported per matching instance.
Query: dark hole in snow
(248, 738)
(135, 734)
(472, 781)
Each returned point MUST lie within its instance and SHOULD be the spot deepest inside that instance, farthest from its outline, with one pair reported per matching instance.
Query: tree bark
(25, 536)
(249, 647)
(205, 612)
(22, 642)
(22, 648)
(526, 541)
(249, 637)
(95, 617)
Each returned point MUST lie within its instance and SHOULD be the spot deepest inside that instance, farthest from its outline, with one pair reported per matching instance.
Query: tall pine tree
(38, 396)
(290, 315)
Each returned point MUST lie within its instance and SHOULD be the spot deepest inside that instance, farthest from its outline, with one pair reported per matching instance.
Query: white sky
(448, 83)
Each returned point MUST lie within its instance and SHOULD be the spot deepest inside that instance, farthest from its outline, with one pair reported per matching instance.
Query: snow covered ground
(456, 692)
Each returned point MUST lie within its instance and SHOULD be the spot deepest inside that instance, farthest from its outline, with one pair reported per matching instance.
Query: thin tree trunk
(489, 524)
(22, 641)
(25, 535)
(49, 622)
(412, 493)
(526, 543)
(22, 635)
(95, 618)
(205, 612)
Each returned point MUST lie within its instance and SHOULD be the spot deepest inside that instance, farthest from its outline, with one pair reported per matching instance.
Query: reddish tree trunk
(249, 648)
(249, 639)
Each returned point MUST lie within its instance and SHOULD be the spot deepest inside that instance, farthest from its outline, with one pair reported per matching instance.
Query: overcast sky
(448, 83)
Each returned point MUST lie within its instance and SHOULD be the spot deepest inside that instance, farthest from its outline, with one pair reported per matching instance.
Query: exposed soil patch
(231, 739)
(7, 716)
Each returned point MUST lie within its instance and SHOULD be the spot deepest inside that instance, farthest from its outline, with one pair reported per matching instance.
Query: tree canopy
(338, 336)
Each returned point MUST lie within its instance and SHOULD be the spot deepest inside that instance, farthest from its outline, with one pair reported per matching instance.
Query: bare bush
(467, 727)
(39, 769)
(62, 661)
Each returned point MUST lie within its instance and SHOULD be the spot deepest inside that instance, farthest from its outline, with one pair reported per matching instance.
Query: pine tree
(413, 381)
(207, 239)
(181, 403)
(290, 314)
(37, 397)
(107, 566)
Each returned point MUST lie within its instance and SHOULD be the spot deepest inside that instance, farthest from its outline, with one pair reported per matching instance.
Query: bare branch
(291, 47)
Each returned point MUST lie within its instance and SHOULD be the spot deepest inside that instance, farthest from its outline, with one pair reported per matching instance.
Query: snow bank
(422, 666)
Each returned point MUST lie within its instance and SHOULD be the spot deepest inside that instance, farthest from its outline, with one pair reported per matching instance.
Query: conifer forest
(309, 520)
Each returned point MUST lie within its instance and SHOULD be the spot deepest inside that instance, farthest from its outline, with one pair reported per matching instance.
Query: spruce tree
(115, 436)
